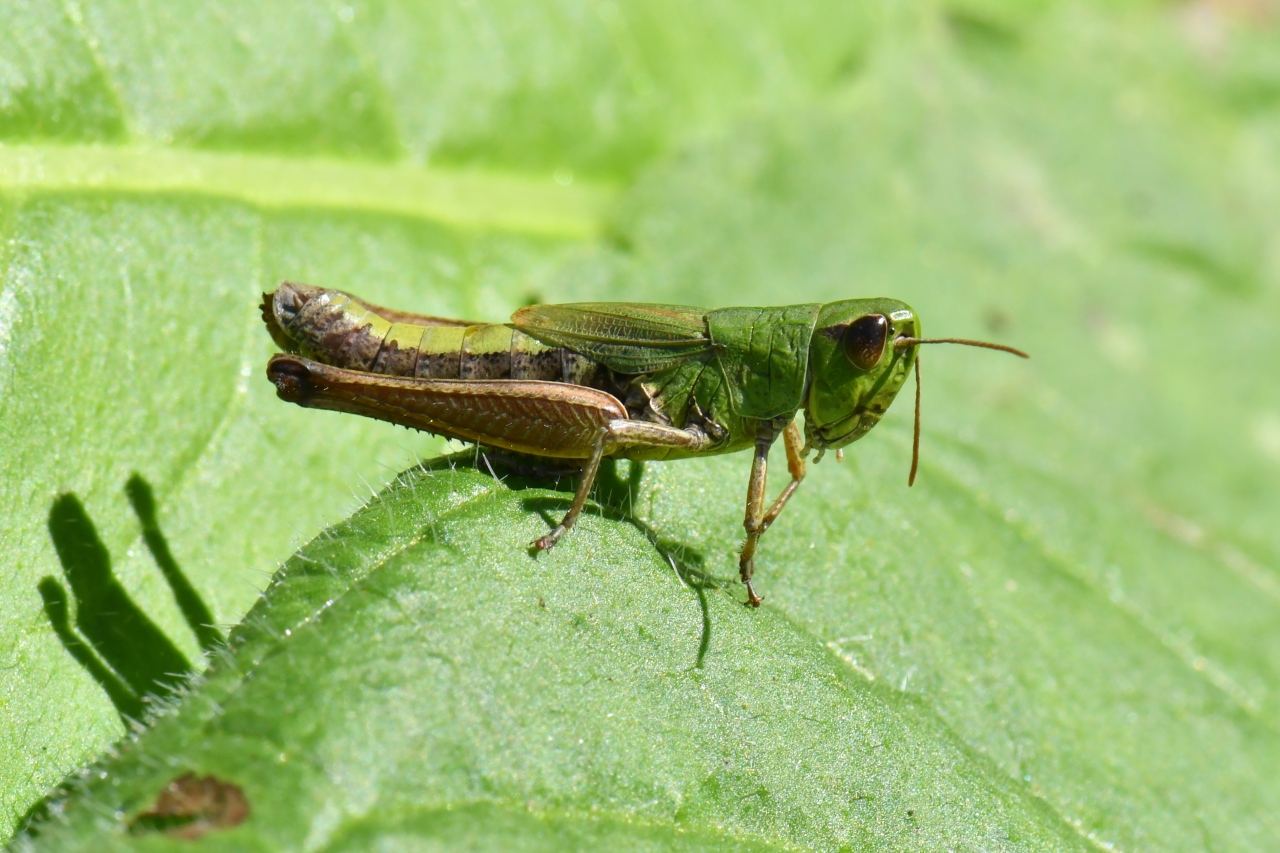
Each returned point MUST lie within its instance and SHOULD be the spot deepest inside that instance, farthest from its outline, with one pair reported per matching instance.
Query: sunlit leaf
(1066, 636)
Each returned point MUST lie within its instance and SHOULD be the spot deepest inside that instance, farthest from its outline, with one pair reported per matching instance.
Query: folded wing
(625, 337)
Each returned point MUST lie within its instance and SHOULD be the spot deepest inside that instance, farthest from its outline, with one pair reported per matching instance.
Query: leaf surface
(1064, 637)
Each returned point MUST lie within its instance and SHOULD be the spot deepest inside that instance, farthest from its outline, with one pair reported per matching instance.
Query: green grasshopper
(587, 381)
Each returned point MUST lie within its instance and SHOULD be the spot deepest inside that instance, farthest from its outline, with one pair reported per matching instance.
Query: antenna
(915, 437)
(904, 342)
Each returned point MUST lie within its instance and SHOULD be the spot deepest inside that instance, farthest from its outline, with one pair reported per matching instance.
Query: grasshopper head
(861, 353)
(855, 370)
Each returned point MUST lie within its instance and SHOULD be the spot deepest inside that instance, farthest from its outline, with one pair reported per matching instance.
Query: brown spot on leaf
(191, 806)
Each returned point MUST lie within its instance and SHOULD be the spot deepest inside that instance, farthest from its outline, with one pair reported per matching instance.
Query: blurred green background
(1066, 636)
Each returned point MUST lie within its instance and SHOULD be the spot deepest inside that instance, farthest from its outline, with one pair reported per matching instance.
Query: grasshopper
(586, 381)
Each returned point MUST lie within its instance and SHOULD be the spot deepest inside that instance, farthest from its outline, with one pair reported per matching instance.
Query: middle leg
(766, 435)
(757, 521)
(794, 444)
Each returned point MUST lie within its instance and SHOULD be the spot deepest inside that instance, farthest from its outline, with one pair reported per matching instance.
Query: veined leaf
(1065, 637)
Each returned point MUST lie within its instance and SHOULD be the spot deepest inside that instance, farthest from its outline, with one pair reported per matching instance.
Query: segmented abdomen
(337, 329)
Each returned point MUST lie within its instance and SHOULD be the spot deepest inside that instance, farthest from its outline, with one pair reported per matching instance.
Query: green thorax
(696, 367)
(763, 357)
(754, 368)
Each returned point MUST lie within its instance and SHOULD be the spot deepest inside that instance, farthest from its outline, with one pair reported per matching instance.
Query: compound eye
(864, 340)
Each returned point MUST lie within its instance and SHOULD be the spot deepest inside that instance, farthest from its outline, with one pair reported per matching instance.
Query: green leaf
(412, 660)
(1065, 637)
(162, 165)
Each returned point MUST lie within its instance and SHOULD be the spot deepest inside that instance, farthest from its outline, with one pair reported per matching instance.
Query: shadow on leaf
(188, 600)
(110, 636)
(615, 499)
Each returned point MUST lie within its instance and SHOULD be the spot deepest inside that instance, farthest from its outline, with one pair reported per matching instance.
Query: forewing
(623, 336)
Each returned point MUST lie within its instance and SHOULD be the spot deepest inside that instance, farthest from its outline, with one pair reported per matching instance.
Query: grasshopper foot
(546, 543)
(753, 599)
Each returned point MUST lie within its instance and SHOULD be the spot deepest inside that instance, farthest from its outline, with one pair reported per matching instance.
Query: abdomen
(340, 330)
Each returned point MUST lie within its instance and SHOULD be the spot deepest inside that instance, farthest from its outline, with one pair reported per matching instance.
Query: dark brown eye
(864, 340)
